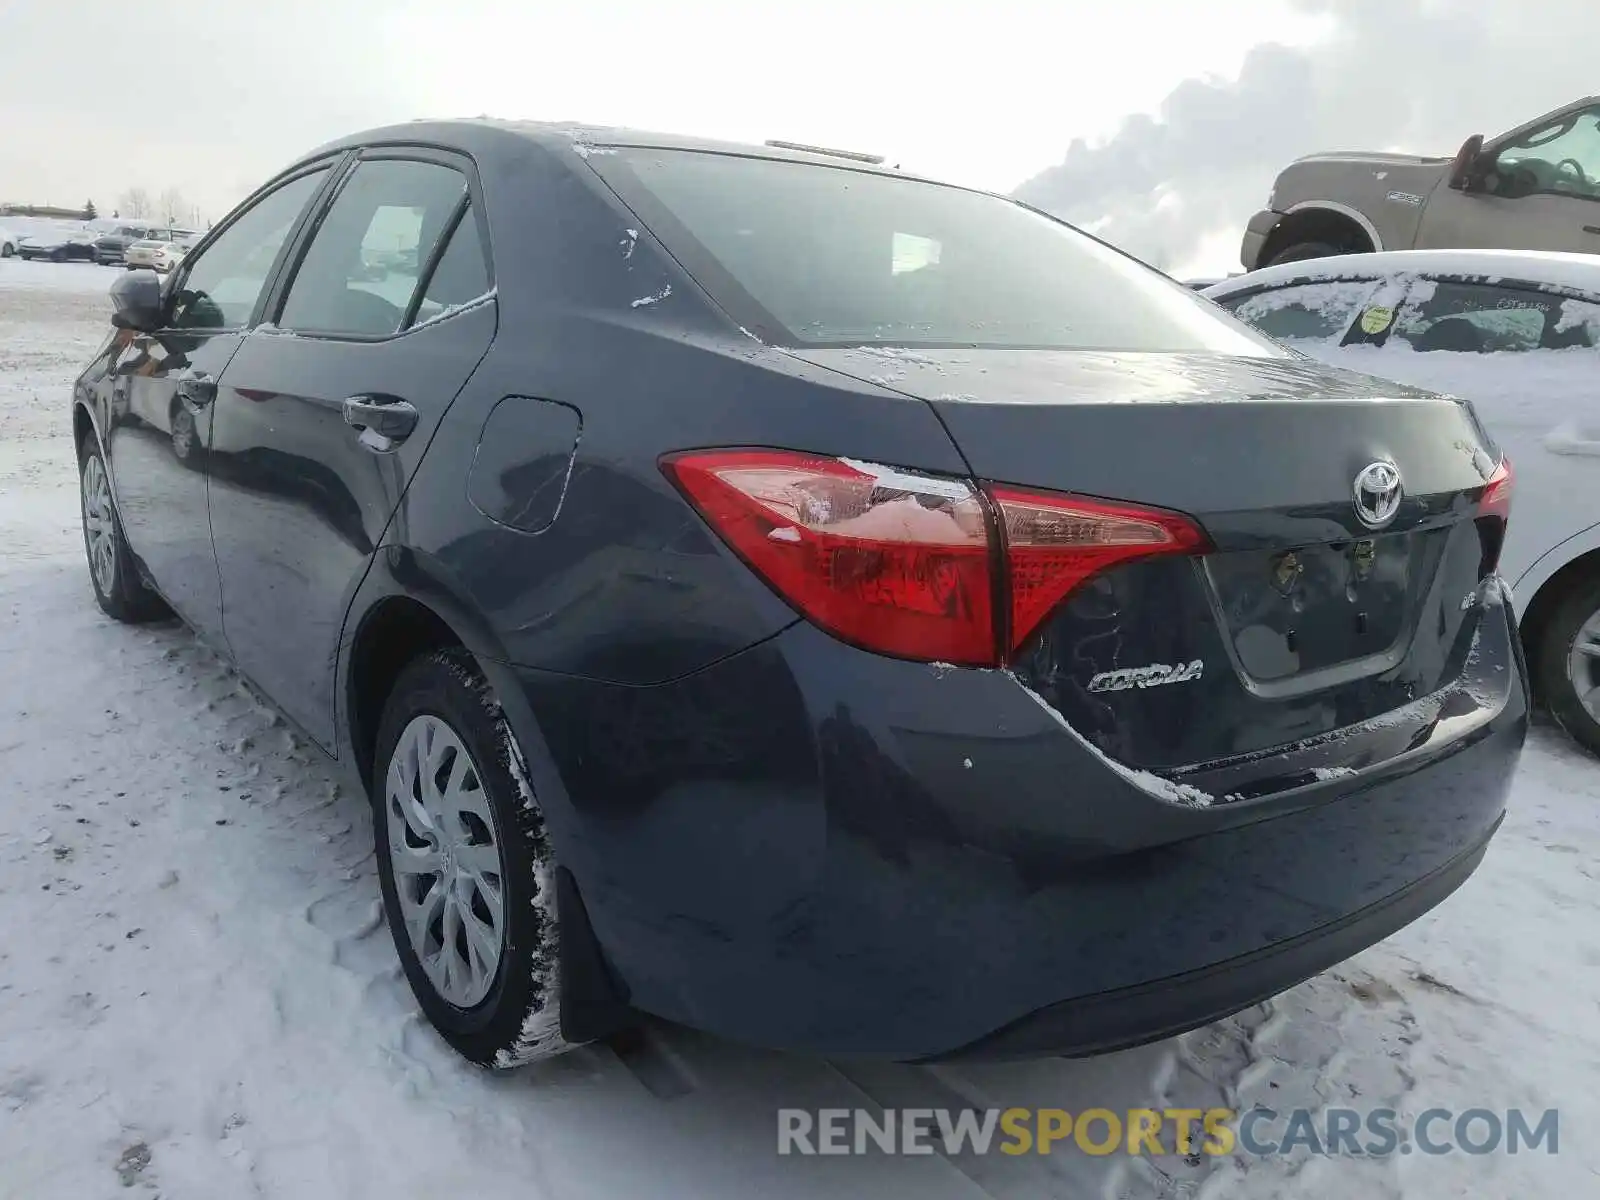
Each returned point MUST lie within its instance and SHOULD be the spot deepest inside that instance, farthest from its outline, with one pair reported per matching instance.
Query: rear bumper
(1256, 233)
(1167, 1007)
(812, 848)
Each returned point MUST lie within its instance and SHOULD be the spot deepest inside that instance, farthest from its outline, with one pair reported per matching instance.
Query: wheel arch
(1322, 221)
(1550, 591)
(409, 605)
(83, 427)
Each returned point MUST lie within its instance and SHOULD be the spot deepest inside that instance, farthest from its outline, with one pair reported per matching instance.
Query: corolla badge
(1155, 675)
(1377, 494)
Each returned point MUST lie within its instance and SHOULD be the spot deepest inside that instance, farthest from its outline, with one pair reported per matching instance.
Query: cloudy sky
(1158, 121)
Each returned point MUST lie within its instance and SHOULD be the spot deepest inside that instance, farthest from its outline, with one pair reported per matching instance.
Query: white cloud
(1413, 75)
(211, 96)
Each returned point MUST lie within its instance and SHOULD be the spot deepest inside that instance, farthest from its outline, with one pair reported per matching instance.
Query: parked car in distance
(66, 245)
(161, 251)
(1517, 334)
(1536, 187)
(111, 248)
(825, 607)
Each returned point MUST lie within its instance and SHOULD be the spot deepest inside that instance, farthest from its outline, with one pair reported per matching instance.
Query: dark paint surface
(781, 838)
(299, 503)
(155, 442)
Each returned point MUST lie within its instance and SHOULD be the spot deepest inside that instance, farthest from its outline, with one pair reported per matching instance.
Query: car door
(163, 384)
(1536, 188)
(325, 412)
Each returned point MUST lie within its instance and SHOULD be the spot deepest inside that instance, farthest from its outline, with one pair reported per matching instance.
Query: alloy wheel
(1583, 665)
(445, 850)
(99, 524)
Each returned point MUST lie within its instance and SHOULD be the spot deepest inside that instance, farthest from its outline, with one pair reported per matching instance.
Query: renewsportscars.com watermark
(1257, 1132)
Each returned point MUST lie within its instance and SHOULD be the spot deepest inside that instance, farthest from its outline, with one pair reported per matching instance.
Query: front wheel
(117, 586)
(1569, 664)
(466, 866)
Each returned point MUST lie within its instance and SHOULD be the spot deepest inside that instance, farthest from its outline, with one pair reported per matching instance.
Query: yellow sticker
(1376, 319)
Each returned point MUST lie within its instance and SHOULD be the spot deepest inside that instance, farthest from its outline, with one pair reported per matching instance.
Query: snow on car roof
(1576, 272)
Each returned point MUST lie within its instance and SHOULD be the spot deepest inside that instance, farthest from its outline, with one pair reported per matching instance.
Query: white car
(161, 251)
(1516, 333)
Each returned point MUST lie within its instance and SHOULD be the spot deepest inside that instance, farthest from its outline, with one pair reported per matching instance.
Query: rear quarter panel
(626, 584)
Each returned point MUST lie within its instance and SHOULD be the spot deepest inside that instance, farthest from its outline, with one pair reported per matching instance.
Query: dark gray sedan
(821, 606)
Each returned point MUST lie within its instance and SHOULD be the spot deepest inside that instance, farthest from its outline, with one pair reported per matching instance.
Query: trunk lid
(1302, 619)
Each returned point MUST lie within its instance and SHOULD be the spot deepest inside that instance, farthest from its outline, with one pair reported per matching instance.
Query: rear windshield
(814, 255)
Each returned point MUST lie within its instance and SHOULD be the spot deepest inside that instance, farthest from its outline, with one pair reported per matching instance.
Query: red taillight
(902, 563)
(1494, 516)
(1496, 500)
(1055, 542)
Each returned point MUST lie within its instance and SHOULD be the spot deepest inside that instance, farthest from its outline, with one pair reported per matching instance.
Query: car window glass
(220, 286)
(1474, 317)
(1577, 325)
(1309, 311)
(1562, 158)
(460, 276)
(816, 254)
(361, 269)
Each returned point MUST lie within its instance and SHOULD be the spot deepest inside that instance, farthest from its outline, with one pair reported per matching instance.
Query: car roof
(1574, 272)
(482, 134)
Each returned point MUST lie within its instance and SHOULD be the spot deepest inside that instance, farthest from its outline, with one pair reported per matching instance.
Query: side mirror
(137, 303)
(1464, 170)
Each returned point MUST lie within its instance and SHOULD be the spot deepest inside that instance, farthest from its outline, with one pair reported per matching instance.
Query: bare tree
(172, 207)
(135, 202)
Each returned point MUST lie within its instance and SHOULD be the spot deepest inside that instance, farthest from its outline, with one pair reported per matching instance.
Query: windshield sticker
(1376, 319)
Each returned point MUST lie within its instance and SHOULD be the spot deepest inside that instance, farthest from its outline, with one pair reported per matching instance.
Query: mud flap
(594, 1003)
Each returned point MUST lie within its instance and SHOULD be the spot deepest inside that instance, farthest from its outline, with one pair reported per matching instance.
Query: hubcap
(99, 525)
(445, 851)
(1583, 665)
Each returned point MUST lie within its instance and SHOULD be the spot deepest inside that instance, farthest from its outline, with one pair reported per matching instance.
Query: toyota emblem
(1377, 494)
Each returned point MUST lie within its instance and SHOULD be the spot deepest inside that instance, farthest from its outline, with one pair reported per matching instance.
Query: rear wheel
(1569, 664)
(466, 866)
(117, 586)
(1301, 251)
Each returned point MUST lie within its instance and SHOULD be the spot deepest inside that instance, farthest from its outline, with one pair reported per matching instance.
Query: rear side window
(361, 270)
(1307, 311)
(460, 276)
(221, 285)
(818, 255)
(1485, 317)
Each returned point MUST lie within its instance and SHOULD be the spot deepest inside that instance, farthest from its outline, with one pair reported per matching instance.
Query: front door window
(1562, 158)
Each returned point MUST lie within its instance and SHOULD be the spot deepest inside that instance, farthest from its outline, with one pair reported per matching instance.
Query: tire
(442, 707)
(118, 589)
(1566, 674)
(1301, 251)
(7, 249)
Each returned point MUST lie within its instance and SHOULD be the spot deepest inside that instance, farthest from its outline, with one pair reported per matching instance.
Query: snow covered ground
(198, 998)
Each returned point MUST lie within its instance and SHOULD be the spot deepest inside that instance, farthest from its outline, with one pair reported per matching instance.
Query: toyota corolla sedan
(821, 606)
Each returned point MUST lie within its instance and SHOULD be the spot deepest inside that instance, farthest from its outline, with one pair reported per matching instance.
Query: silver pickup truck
(1534, 188)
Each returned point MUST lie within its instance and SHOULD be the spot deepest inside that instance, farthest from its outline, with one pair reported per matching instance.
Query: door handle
(1591, 228)
(197, 390)
(384, 421)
